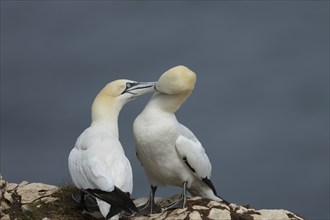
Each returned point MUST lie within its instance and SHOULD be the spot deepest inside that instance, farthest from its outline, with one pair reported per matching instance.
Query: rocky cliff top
(41, 201)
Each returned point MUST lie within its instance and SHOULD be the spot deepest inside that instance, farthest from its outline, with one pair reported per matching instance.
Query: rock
(8, 197)
(20, 196)
(49, 199)
(195, 215)
(233, 206)
(199, 207)
(4, 205)
(178, 211)
(178, 217)
(34, 191)
(140, 201)
(158, 216)
(293, 216)
(194, 198)
(178, 214)
(213, 203)
(23, 183)
(11, 186)
(241, 209)
(141, 218)
(5, 217)
(219, 214)
(217, 204)
(271, 214)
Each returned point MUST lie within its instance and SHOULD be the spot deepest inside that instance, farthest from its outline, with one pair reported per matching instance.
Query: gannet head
(125, 90)
(114, 96)
(173, 88)
(177, 80)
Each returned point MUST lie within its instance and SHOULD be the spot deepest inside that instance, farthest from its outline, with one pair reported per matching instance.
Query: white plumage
(169, 152)
(98, 161)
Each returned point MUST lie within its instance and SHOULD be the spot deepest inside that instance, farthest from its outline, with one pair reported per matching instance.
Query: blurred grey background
(260, 106)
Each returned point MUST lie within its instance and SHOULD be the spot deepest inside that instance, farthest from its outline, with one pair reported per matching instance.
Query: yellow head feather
(177, 80)
(114, 88)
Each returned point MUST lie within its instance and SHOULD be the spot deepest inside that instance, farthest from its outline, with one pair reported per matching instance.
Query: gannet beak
(141, 88)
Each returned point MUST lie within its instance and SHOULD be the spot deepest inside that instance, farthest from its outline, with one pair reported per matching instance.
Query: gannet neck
(105, 111)
(166, 102)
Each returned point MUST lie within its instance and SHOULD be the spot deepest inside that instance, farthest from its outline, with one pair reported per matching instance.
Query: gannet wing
(116, 197)
(193, 155)
(101, 185)
(97, 174)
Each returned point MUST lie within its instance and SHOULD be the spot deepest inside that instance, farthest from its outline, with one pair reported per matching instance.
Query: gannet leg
(182, 202)
(150, 207)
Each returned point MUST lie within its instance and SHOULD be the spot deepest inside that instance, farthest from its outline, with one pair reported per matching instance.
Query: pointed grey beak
(141, 88)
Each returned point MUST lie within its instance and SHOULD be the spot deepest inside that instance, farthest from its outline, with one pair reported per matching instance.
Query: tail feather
(114, 210)
(208, 182)
(116, 198)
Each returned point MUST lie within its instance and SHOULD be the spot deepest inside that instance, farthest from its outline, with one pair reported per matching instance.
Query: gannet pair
(169, 152)
(97, 163)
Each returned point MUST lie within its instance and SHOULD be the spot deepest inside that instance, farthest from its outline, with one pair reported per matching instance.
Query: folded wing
(193, 155)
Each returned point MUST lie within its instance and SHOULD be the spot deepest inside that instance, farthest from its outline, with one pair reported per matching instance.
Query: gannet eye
(129, 85)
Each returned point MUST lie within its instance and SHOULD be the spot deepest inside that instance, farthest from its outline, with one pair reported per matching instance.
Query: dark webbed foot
(181, 203)
(150, 207)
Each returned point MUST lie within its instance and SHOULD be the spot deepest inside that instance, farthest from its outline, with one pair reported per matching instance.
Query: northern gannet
(97, 163)
(169, 152)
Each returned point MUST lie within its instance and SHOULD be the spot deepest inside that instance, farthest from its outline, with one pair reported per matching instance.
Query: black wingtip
(116, 198)
(224, 201)
(114, 210)
(208, 182)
